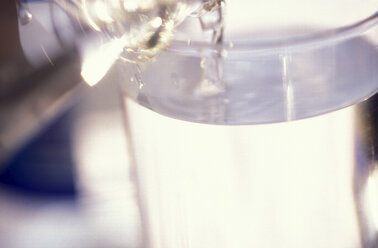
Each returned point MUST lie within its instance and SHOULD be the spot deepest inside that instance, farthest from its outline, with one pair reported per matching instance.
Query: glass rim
(291, 43)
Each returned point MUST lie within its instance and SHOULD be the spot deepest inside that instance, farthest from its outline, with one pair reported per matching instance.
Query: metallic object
(31, 94)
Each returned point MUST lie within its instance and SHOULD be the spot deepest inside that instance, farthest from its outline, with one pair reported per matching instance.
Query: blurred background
(63, 186)
(53, 191)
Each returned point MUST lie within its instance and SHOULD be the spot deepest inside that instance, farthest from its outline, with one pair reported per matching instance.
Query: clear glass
(210, 180)
(282, 70)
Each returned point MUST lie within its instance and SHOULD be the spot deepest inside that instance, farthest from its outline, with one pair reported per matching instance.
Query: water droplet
(139, 81)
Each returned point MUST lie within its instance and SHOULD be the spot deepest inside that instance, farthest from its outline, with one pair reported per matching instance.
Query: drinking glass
(265, 139)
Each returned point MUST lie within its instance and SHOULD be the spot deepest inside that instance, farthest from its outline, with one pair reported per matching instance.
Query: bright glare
(107, 194)
(156, 22)
(88, 16)
(372, 198)
(102, 11)
(279, 185)
(131, 5)
(98, 61)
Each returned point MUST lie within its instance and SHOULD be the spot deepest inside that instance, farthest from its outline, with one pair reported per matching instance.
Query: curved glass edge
(316, 39)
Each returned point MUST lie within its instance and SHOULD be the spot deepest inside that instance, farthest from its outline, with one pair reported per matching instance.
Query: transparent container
(207, 177)
(279, 61)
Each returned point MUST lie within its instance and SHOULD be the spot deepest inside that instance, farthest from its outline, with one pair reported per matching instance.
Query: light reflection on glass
(371, 198)
(103, 12)
(107, 194)
(277, 185)
(98, 60)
